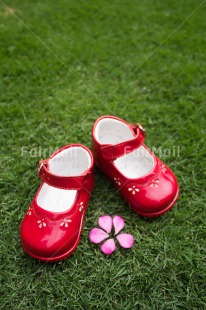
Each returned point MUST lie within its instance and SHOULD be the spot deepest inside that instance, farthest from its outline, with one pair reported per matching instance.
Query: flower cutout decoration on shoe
(118, 181)
(65, 223)
(133, 189)
(29, 212)
(81, 206)
(154, 183)
(164, 169)
(41, 223)
(97, 235)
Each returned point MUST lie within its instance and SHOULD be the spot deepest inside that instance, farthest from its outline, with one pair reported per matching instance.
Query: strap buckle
(143, 130)
(41, 164)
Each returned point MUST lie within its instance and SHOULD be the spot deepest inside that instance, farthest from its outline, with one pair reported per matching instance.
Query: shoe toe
(157, 196)
(46, 239)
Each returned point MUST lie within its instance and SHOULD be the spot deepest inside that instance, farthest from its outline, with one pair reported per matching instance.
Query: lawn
(65, 63)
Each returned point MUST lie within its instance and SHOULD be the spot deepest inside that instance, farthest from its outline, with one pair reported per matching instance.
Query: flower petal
(118, 223)
(105, 222)
(125, 240)
(108, 247)
(96, 235)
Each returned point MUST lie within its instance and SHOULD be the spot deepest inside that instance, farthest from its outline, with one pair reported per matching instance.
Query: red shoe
(52, 226)
(146, 183)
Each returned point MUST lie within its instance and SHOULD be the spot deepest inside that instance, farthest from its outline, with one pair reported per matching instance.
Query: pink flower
(97, 235)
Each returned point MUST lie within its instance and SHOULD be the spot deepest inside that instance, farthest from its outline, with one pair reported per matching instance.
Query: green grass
(65, 63)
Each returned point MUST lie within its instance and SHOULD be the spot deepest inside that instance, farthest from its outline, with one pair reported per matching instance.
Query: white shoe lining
(133, 165)
(72, 161)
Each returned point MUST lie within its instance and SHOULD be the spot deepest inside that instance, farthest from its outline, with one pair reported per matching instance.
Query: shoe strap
(112, 152)
(63, 182)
